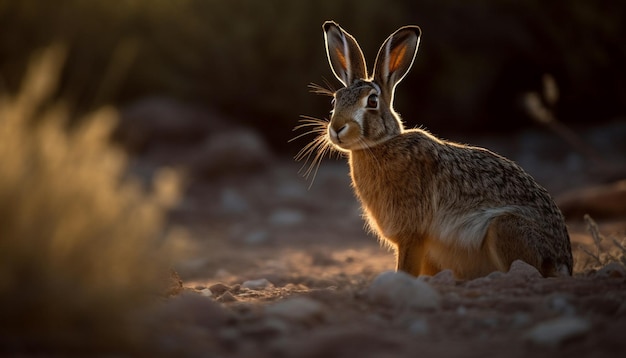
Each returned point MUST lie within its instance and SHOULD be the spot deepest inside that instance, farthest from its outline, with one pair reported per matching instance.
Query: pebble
(298, 309)
(419, 327)
(273, 326)
(401, 290)
(496, 275)
(291, 189)
(520, 319)
(561, 304)
(286, 217)
(256, 237)
(232, 202)
(235, 151)
(259, 284)
(227, 297)
(194, 309)
(555, 332)
(522, 269)
(219, 288)
(445, 277)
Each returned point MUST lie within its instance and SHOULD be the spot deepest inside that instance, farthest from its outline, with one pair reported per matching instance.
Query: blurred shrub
(80, 246)
(254, 59)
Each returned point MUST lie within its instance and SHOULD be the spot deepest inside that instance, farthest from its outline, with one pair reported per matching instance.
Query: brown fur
(442, 205)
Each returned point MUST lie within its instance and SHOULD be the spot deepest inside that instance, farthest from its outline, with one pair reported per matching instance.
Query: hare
(440, 205)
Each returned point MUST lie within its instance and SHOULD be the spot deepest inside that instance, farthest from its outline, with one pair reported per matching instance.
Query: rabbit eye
(372, 101)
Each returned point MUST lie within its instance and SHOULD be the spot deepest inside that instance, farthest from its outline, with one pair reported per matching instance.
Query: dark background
(253, 60)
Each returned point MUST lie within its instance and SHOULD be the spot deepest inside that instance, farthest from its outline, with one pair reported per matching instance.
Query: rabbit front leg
(412, 258)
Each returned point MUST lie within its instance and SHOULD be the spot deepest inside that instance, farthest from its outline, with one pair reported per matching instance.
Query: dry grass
(81, 246)
(605, 250)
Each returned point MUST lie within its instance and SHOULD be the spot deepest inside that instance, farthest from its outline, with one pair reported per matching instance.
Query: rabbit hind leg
(511, 238)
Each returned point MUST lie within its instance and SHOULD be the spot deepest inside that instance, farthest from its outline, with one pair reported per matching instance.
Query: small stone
(419, 327)
(256, 237)
(522, 269)
(218, 288)
(291, 190)
(562, 305)
(612, 270)
(277, 325)
(227, 297)
(495, 275)
(489, 322)
(206, 292)
(557, 331)
(401, 290)
(286, 217)
(235, 151)
(445, 277)
(259, 284)
(299, 309)
(520, 319)
(192, 308)
(232, 202)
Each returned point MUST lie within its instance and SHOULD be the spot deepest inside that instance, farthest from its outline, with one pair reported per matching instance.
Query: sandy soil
(272, 268)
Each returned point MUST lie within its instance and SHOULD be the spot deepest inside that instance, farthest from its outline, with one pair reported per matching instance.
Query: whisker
(307, 133)
(319, 147)
(317, 139)
(309, 124)
(316, 127)
(319, 126)
(306, 152)
(305, 117)
(313, 152)
(318, 158)
(321, 90)
(329, 85)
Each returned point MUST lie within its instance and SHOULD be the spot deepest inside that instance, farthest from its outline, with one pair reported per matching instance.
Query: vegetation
(605, 250)
(81, 246)
(254, 59)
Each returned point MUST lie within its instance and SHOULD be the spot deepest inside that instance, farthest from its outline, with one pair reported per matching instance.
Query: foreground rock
(557, 331)
(402, 291)
(298, 309)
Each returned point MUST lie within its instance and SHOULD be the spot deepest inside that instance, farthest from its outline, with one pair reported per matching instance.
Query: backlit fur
(441, 205)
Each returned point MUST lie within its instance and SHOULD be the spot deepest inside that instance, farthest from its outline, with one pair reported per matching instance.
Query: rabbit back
(417, 186)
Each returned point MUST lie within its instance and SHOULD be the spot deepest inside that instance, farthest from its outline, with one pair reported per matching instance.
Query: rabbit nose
(342, 129)
(336, 132)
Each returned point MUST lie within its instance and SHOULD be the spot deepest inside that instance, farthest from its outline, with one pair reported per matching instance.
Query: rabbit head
(363, 114)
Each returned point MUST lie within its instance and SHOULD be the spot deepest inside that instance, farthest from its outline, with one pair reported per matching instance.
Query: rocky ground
(274, 265)
(276, 269)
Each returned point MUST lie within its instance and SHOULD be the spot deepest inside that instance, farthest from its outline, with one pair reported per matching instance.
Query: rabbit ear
(396, 56)
(344, 54)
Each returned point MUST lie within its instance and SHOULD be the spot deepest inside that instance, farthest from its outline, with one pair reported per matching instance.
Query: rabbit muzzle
(344, 133)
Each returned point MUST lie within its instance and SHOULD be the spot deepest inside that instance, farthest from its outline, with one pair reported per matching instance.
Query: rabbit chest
(403, 198)
(396, 200)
